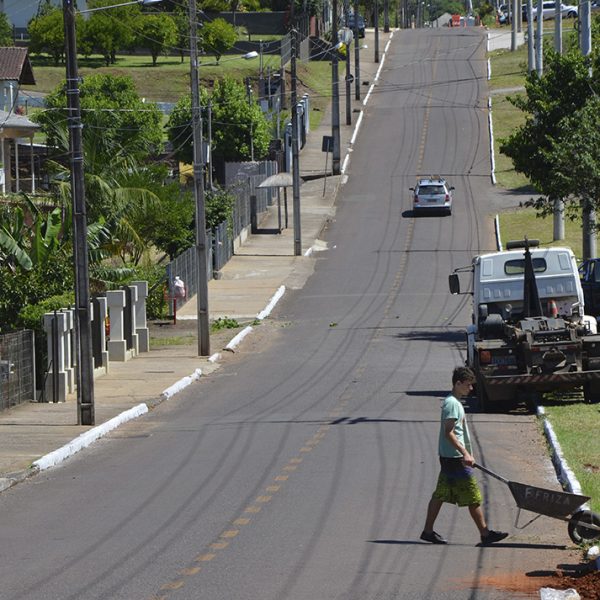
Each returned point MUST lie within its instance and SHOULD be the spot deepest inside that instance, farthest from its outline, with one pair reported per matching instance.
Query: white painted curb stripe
(497, 230)
(345, 164)
(214, 357)
(274, 300)
(88, 437)
(181, 384)
(491, 127)
(356, 128)
(380, 67)
(238, 338)
(565, 475)
(489, 69)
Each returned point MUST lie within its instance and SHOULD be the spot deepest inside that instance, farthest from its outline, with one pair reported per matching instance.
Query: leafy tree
(213, 6)
(219, 207)
(29, 237)
(113, 115)
(157, 32)
(563, 90)
(6, 31)
(111, 30)
(46, 34)
(235, 122)
(182, 21)
(218, 36)
(575, 154)
(168, 223)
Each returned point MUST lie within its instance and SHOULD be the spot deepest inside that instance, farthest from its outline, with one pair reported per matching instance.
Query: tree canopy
(552, 148)
(237, 124)
(218, 36)
(110, 105)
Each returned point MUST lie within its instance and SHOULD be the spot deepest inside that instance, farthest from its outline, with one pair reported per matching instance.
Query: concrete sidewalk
(36, 436)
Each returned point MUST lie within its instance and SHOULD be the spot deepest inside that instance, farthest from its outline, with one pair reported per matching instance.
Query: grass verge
(576, 427)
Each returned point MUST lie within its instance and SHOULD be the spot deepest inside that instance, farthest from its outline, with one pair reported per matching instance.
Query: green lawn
(576, 427)
(576, 424)
(169, 79)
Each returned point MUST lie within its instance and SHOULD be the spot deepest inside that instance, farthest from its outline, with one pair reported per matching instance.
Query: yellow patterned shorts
(457, 483)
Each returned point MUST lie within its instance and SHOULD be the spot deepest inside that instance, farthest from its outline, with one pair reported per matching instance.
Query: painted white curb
(491, 128)
(274, 300)
(181, 384)
(497, 231)
(87, 438)
(238, 338)
(563, 471)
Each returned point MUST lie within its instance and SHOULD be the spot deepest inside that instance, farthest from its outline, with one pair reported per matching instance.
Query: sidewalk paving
(260, 267)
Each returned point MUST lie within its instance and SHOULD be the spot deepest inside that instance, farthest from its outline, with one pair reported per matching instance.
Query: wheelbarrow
(583, 524)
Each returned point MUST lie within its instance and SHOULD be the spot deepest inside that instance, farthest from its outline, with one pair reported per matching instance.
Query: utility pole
(348, 74)
(539, 41)
(376, 59)
(356, 54)
(588, 212)
(530, 41)
(335, 95)
(295, 151)
(201, 251)
(558, 27)
(210, 162)
(386, 16)
(83, 321)
(513, 26)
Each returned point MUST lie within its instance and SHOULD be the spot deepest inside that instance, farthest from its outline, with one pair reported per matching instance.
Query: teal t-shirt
(452, 408)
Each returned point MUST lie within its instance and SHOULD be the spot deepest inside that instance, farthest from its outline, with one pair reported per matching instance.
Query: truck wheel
(578, 532)
(591, 392)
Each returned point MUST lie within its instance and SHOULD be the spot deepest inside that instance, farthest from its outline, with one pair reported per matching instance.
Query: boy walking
(456, 482)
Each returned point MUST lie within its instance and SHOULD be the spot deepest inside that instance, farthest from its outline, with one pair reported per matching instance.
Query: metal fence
(220, 241)
(17, 368)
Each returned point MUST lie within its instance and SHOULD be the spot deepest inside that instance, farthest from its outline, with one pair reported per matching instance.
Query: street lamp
(83, 325)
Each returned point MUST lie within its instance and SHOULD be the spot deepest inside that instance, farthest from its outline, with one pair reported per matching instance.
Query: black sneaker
(492, 537)
(433, 537)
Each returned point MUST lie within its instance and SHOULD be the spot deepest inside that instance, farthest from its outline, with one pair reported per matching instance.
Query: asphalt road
(302, 468)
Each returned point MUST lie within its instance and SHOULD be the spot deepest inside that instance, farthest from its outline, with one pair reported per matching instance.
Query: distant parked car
(549, 11)
(360, 23)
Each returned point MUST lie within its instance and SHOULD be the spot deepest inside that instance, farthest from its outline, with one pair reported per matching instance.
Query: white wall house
(15, 69)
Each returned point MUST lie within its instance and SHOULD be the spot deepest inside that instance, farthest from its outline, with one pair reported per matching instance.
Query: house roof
(15, 65)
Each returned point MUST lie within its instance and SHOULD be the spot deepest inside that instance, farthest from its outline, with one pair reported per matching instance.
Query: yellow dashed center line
(173, 585)
(241, 521)
(190, 571)
(205, 557)
(231, 533)
(219, 545)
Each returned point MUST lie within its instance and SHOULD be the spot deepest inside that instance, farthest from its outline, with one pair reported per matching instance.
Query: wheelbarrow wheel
(578, 532)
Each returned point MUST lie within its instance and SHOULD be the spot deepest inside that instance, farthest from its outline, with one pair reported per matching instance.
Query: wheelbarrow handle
(495, 475)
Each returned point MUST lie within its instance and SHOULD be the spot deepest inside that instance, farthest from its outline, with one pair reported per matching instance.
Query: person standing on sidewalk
(456, 482)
